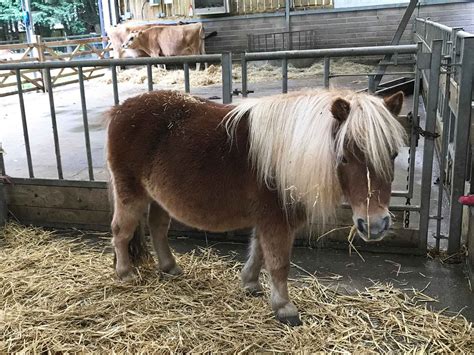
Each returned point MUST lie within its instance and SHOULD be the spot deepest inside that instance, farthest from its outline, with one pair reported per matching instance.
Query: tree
(75, 15)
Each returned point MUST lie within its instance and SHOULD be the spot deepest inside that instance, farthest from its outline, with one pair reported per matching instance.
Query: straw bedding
(212, 75)
(59, 294)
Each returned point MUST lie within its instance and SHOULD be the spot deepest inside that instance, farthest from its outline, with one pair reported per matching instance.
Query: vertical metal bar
(442, 163)
(114, 84)
(428, 156)
(25, 124)
(327, 68)
(414, 135)
(149, 75)
(53, 121)
(3, 199)
(186, 77)
(226, 62)
(287, 15)
(86, 124)
(371, 83)
(461, 141)
(243, 66)
(284, 75)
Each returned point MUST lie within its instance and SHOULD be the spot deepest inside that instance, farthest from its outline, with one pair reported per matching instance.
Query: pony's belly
(216, 213)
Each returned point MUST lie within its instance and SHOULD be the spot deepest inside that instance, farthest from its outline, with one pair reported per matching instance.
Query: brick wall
(336, 28)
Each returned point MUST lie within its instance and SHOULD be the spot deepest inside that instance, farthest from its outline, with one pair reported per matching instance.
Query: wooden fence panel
(40, 51)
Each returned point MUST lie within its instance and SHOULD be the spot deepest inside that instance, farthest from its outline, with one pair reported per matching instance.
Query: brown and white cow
(119, 34)
(168, 41)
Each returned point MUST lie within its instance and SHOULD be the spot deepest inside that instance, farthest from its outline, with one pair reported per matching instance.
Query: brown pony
(273, 164)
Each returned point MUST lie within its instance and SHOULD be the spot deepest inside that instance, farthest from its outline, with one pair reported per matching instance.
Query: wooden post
(39, 53)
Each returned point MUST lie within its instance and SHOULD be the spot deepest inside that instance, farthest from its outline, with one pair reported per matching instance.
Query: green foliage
(10, 10)
(75, 15)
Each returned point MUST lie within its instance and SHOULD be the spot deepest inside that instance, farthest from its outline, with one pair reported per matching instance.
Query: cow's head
(131, 42)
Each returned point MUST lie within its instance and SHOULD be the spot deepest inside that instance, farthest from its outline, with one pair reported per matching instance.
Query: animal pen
(438, 128)
(442, 74)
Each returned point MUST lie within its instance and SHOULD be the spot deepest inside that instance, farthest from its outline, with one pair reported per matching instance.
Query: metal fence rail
(224, 59)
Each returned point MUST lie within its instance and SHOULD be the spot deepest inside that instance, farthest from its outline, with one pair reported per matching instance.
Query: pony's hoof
(128, 276)
(175, 270)
(288, 314)
(292, 321)
(253, 289)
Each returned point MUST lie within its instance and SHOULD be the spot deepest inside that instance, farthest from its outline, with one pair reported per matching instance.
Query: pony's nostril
(386, 222)
(360, 225)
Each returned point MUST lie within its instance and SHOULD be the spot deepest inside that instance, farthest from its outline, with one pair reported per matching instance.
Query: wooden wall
(180, 8)
(85, 206)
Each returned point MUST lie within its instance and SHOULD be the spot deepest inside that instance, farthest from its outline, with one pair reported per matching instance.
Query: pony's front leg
(276, 245)
(158, 222)
(251, 269)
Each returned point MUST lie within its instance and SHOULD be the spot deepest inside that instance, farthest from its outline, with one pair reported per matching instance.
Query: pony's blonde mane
(293, 147)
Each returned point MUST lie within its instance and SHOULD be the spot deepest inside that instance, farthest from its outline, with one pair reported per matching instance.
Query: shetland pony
(274, 164)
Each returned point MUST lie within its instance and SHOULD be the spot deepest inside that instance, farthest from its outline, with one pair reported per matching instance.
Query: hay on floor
(255, 74)
(61, 295)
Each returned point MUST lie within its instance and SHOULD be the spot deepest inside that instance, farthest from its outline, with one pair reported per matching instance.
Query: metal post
(86, 124)
(327, 68)
(28, 20)
(102, 26)
(186, 77)
(284, 75)
(149, 75)
(461, 142)
(3, 198)
(428, 152)
(288, 24)
(114, 84)
(226, 77)
(414, 135)
(54, 124)
(442, 156)
(371, 83)
(24, 124)
(243, 66)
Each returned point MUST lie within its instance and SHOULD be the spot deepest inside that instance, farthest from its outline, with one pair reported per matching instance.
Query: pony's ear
(394, 103)
(340, 109)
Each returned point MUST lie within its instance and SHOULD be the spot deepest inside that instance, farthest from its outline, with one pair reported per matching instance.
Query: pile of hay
(60, 295)
(212, 75)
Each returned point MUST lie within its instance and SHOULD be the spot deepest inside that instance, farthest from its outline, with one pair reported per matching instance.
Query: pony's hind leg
(276, 242)
(158, 222)
(251, 269)
(125, 220)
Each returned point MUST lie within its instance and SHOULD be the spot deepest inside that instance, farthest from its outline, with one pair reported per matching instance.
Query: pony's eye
(394, 156)
(344, 160)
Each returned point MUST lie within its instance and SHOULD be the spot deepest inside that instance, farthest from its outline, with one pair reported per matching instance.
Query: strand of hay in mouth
(60, 295)
(212, 75)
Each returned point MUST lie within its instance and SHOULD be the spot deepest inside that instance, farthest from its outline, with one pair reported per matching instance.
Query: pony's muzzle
(378, 227)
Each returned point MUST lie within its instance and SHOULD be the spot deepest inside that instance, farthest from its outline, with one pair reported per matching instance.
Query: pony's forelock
(293, 147)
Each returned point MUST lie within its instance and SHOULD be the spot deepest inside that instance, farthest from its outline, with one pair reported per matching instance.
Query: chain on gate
(417, 132)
